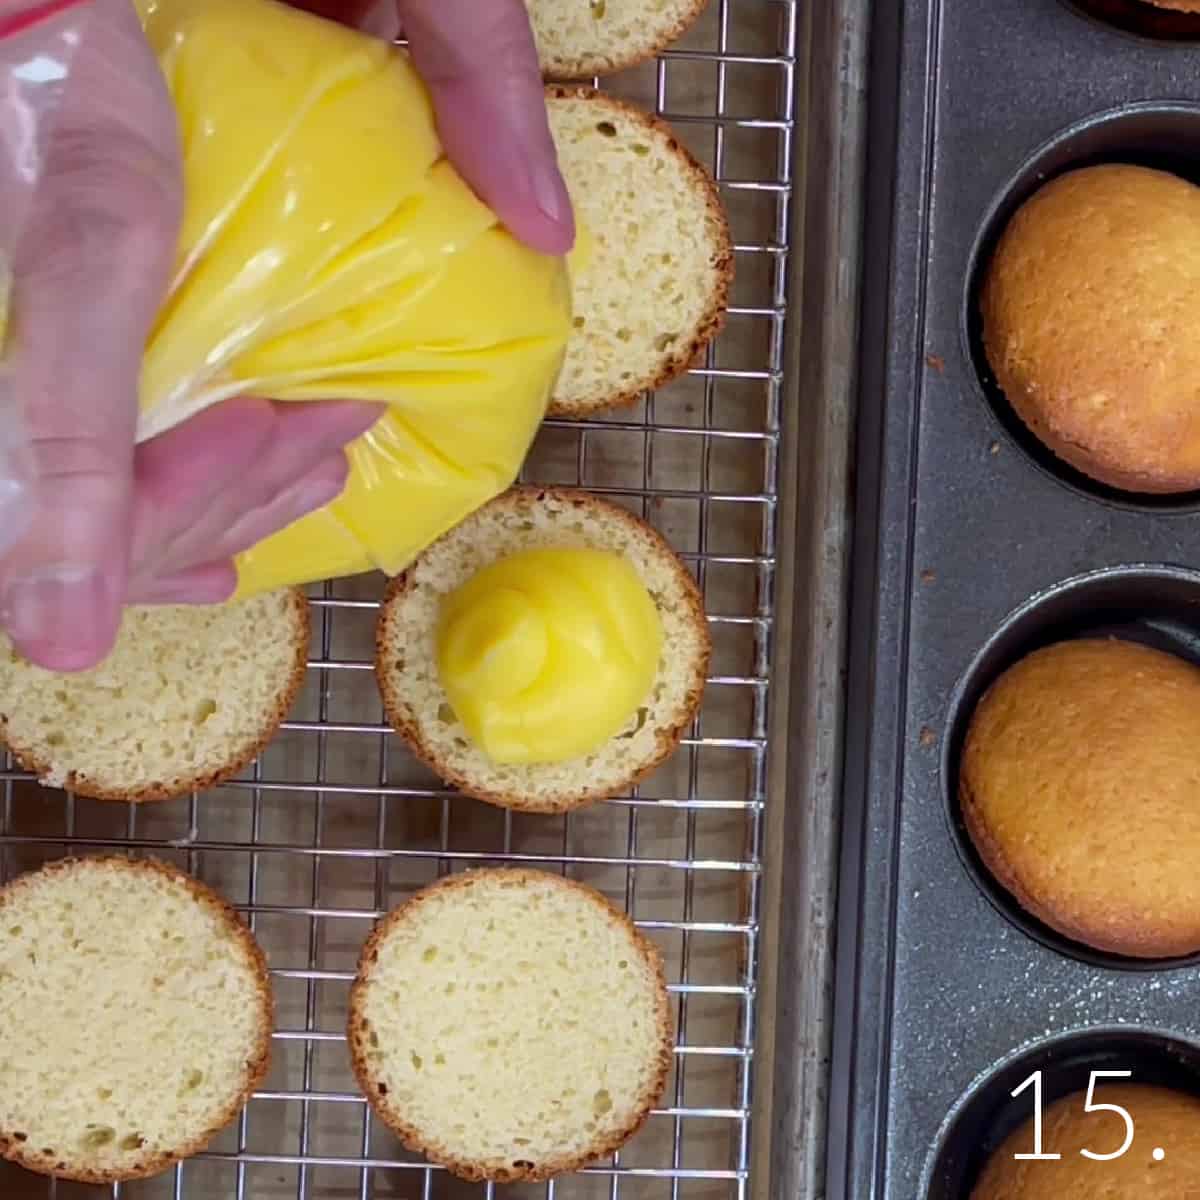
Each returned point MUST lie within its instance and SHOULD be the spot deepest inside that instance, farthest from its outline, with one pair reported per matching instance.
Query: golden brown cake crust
(1078, 788)
(412, 1137)
(16, 1149)
(1191, 6)
(1162, 1118)
(1089, 306)
(403, 718)
(583, 65)
(32, 758)
(678, 358)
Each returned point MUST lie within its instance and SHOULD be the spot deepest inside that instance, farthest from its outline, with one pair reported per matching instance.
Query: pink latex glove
(161, 524)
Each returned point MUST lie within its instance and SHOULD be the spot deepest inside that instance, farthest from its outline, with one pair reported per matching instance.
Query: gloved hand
(478, 60)
(162, 522)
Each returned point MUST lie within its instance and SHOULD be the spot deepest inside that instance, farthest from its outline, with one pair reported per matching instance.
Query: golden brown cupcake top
(1080, 786)
(1090, 309)
(1163, 1119)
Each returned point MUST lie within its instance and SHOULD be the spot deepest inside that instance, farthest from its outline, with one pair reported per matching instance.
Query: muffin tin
(973, 546)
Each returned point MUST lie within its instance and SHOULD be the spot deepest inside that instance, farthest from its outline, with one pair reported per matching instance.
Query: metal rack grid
(336, 823)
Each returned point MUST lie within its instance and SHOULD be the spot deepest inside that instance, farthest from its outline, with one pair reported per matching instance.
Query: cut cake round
(187, 698)
(577, 39)
(654, 276)
(510, 1024)
(406, 666)
(135, 1016)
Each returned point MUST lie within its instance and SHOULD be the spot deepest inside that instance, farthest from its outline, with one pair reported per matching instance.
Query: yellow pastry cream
(547, 653)
(329, 250)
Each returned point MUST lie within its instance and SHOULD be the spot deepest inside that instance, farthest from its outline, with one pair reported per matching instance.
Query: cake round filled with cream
(549, 651)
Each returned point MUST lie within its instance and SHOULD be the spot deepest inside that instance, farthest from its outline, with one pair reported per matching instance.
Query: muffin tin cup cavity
(989, 1112)
(1162, 136)
(1158, 606)
(1141, 19)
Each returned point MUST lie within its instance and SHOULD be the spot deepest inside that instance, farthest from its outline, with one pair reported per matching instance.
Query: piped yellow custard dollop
(546, 654)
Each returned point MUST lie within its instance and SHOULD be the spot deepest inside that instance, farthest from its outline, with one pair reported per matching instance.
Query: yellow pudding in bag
(329, 251)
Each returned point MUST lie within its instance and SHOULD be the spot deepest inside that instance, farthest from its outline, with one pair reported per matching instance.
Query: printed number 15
(1089, 1105)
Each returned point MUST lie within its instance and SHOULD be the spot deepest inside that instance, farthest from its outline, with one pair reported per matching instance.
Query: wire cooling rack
(337, 823)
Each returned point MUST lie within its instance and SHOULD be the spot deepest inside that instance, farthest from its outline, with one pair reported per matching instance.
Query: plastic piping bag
(38, 42)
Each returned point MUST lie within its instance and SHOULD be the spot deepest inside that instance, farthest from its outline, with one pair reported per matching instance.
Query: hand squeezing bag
(330, 251)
